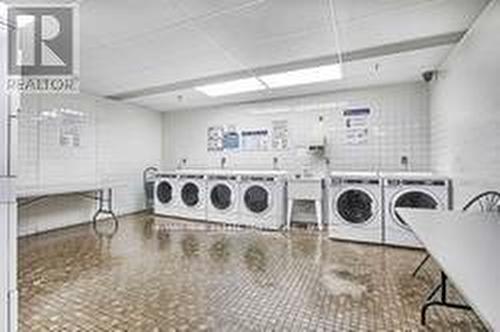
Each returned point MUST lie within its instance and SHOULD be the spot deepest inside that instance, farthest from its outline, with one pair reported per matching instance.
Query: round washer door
(164, 192)
(221, 196)
(355, 206)
(416, 199)
(256, 199)
(190, 194)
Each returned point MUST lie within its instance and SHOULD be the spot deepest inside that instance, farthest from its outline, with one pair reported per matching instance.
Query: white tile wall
(465, 111)
(399, 126)
(118, 142)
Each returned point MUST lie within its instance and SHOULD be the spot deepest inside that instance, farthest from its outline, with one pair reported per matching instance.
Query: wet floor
(159, 274)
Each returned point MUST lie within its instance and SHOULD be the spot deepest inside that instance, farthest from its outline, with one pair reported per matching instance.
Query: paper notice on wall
(69, 136)
(215, 138)
(356, 122)
(231, 139)
(255, 140)
(70, 127)
(280, 135)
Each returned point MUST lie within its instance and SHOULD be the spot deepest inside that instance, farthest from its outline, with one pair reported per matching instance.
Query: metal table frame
(442, 301)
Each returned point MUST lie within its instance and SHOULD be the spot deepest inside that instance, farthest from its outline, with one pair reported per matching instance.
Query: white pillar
(8, 208)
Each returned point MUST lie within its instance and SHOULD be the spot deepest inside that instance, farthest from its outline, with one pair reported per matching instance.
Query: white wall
(117, 142)
(465, 110)
(399, 126)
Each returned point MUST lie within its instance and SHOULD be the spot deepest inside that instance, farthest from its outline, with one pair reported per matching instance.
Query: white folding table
(102, 192)
(466, 245)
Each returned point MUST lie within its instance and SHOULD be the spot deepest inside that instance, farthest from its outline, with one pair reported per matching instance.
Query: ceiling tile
(104, 23)
(402, 21)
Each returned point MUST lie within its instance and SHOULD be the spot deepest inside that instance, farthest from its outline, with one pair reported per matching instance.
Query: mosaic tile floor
(159, 274)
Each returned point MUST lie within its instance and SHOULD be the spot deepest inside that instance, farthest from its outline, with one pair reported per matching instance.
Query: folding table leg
(422, 263)
(442, 286)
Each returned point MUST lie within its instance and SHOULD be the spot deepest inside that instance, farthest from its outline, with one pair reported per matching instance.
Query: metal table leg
(441, 286)
(103, 199)
(422, 263)
(105, 206)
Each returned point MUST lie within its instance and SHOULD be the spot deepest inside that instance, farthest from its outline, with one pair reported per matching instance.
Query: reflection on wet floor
(156, 274)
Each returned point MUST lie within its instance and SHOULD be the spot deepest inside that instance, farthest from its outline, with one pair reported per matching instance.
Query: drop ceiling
(152, 53)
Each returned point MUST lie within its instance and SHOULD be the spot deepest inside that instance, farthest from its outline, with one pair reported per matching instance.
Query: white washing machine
(166, 194)
(419, 191)
(262, 201)
(223, 198)
(356, 207)
(192, 195)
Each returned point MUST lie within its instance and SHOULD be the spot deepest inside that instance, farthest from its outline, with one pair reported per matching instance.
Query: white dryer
(356, 207)
(223, 198)
(192, 195)
(166, 194)
(419, 191)
(262, 201)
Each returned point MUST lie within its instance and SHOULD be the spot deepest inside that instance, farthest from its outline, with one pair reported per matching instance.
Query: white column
(8, 208)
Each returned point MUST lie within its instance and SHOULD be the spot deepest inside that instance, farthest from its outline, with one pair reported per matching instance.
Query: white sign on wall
(280, 135)
(356, 125)
(231, 140)
(255, 140)
(215, 138)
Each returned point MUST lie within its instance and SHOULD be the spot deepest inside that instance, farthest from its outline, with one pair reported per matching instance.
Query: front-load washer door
(221, 196)
(257, 199)
(164, 192)
(416, 199)
(190, 194)
(355, 206)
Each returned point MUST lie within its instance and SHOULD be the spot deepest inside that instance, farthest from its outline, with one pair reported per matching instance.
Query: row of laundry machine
(363, 206)
(244, 198)
(360, 206)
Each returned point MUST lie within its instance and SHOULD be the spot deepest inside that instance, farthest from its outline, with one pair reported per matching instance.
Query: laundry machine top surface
(413, 175)
(166, 175)
(222, 177)
(354, 174)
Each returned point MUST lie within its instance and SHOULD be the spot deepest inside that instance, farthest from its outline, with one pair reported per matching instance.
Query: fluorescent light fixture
(231, 87)
(303, 76)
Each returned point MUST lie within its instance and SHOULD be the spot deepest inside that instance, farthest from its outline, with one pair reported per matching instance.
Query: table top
(64, 188)
(467, 246)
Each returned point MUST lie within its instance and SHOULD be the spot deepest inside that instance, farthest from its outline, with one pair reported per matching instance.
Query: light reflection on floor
(159, 274)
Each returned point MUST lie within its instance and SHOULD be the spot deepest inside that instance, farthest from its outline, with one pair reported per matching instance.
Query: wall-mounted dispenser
(317, 142)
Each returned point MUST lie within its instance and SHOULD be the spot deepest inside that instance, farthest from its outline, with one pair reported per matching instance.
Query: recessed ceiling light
(303, 76)
(231, 87)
